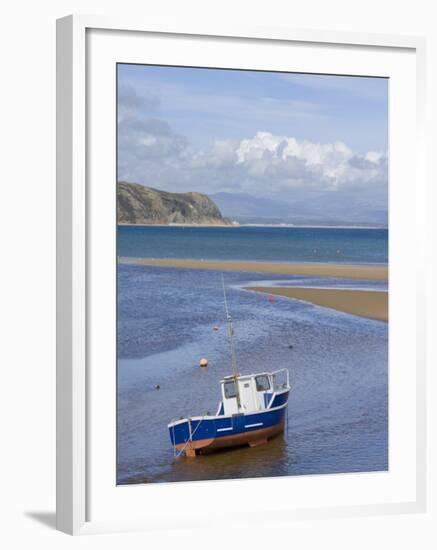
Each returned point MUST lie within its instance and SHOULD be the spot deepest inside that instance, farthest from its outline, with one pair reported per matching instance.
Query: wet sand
(370, 272)
(365, 303)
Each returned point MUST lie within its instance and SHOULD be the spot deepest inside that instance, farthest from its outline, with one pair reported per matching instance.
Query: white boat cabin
(254, 392)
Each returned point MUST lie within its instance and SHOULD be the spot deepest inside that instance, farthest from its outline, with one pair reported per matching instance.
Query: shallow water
(337, 415)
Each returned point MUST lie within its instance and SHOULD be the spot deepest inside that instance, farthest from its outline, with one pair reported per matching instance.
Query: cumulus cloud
(283, 162)
(324, 166)
(262, 165)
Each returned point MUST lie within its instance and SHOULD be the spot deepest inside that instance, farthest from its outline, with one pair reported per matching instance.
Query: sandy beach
(365, 303)
(369, 272)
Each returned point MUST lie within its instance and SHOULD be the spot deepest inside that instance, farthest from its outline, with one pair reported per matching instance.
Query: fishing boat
(252, 410)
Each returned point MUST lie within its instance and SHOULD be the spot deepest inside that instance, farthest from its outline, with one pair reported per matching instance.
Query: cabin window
(230, 390)
(262, 383)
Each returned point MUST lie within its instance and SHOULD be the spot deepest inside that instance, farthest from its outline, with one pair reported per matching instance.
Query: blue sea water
(338, 410)
(278, 244)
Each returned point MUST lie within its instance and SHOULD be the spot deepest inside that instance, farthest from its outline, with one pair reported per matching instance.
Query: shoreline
(373, 272)
(239, 225)
(232, 225)
(371, 304)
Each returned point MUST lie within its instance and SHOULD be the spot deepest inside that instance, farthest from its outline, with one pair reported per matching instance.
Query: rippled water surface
(269, 244)
(337, 416)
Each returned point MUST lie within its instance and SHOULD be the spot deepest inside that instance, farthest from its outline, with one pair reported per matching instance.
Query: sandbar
(365, 303)
(374, 272)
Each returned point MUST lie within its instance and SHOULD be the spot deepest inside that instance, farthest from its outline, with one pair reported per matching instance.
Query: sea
(338, 363)
(270, 244)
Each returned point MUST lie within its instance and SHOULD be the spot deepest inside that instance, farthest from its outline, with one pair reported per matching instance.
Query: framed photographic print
(240, 275)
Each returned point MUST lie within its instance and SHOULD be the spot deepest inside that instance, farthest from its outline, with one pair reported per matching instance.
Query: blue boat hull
(203, 434)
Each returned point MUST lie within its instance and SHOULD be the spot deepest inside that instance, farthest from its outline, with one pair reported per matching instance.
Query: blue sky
(263, 133)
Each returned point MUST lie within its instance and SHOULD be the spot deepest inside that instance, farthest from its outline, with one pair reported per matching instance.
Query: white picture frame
(74, 463)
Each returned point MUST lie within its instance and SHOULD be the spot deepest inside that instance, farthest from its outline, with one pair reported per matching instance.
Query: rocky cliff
(137, 204)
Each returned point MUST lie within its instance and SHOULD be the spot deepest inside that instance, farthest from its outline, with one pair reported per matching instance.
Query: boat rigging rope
(189, 440)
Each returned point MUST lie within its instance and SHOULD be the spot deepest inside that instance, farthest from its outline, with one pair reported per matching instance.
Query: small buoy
(157, 387)
(291, 346)
(215, 328)
(203, 362)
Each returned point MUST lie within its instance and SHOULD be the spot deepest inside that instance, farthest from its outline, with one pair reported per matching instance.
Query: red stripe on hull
(252, 438)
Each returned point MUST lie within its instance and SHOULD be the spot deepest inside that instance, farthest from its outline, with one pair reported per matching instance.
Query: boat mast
(231, 343)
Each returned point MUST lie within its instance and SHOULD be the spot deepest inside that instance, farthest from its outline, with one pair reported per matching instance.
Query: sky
(283, 136)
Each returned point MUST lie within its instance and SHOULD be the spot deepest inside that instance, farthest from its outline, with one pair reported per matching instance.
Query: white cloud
(288, 162)
(263, 165)
(221, 153)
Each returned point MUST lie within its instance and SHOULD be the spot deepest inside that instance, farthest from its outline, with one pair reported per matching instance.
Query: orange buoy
(203, 362)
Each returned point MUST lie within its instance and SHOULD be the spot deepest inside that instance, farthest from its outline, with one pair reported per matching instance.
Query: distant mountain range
(324, 209)
(137, 204)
